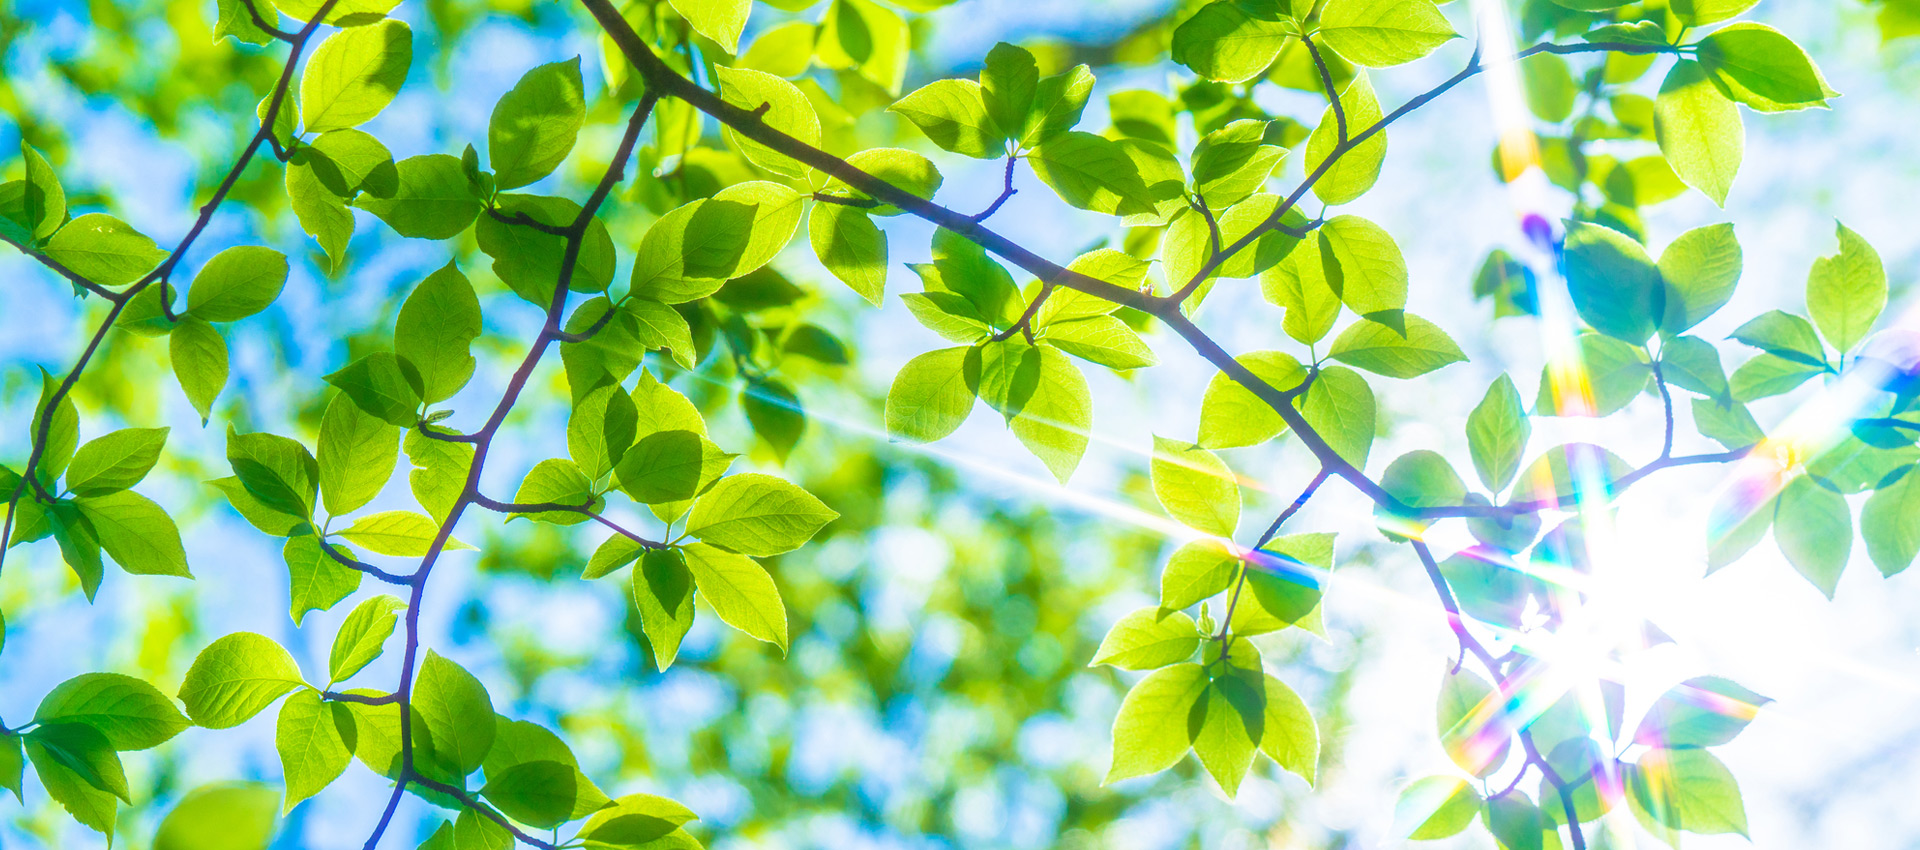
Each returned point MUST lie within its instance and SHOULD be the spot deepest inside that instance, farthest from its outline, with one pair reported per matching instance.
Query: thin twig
(1005, 193)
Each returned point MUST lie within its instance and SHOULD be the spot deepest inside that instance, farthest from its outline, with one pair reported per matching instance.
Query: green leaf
(1616, 373)
(1288, 734)
(692, 250)
(1783, 335)
(402, 534)
(137, 532)
(13, 766)
(440, 471)
(1699, 130)
(740, 591)
(1230, 719)
(1515, 821)
(1058, 101)
(852, 248)
(1688, 790)
(1435, 807)
(115, 461)
(534, 125)
(1351, 174)
(635, 820)
(130, 713)
(1303, 284)
(1054, 420)
(1497, 432)
(663, 593)
(63, 431)
(354, 74)
(1696, 13)
(350, 161)
(542, 794)
(1379, 33)
(1423, 479)
(104, 249)
(756, 514)
(363, 636)
(357, 454)
(670, 466)
(434, 199)
(1890, 524)
(601, 430)
(720, 20)
(458, 713)
(269, 520)
(382, 385)
(1814, 528)
(241, 814)
(1195, 487)
(1148, 639)
(1094, 173)
(1366, 268)
(1847, 291)
(1700, 269)
(1769, 375)
(783, 51)
(1691, 363)
(899, 167)
(1228, 42)
(530, 261)
(1233, 162)
(787, 111)
(1758, 66)
(1550, 87)
(435, 332)
(1008, 86)
(199, 358)
(932, 395)
(1408, 347)
(1340, 407)
(1461, 713)
(1232, 416)
(44, 201)
(315, 581)
(235, 677)
(1286, 592)
(1705, 711)
(1553, 475)
(953, 114)
(613, 553)
(322, 213)
(1150, 732)
(556, 481)
(1615, 286)
(237, 283)
(315, 740)
(80, 771)
(1198, 570)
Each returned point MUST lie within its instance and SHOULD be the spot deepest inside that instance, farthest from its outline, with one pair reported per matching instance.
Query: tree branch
(362, 566)
(1326, 79)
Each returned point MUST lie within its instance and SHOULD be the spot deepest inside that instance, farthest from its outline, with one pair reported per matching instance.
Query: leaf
(1054, 421)
(235, 677)
(440, 471)
(864, 36)
(137, 532)
(534, 125)
(433, 201)
(12, 765)
(357, 455)
(322, 213)
(1284, 578)
(1550, 88)
(1093, 173)
(350, 161)
(662, 590)
(542, 794)
(315, 741)
(953, 115)
(670, 466)
(1340, 407)
(1467, 715)
(556, 481)
(1008, 86)
(130, 713)
(435, 332)
(1515, 821)
(1226, 42)
(852, 248)
(1288, 734)
(237, 283)
(1230, 720)
(382, 385)
(62, 428)
(1423, 479)
(1769, 375)
(1407, 348)
(354, 74)
(1303, 284)
(1380, 33)
(1616, 374)
(531, 261)
(720, 20)
(70, 759)
(634, 820)
(1847, 291)
(1890, 524)
(1058, 101)
(402, 534)
(1195, 487)
(1704, 711)
(1352, 173)
(932, 395)
(1615, 286)
(115, 461)
(691, 251)
(1699, 130)
(1435, 807)
(1147, 639)
(756, 514)
(783, 51)
(1497, 432)
(1783, 335)
(1695, 13)
(740, 591)
(458, 713)
(1150, 732)
(1198, 570)
(787, 111)
(277, 471)
(601, 430)
(44, 200)
(104, 249)
(1814, 528)
(1758, 66)
(1232, 416)
(1700, 269)
(1554, 475)
(240, 813)
(363, 636)
(199, 358)
(1366, 270)
(1686, 789)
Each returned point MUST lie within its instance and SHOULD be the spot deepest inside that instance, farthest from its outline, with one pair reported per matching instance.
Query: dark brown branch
(485, 810)
(261, 22)
(843, 201)
(362, 566)
(1326, 79)
(383, 699)
(521, 219)
(1005, 193)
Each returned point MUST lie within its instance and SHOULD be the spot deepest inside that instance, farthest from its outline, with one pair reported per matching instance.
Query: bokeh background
(936, 694)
